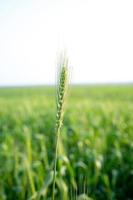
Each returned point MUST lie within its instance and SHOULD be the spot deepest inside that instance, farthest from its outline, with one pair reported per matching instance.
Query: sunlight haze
(97, 35)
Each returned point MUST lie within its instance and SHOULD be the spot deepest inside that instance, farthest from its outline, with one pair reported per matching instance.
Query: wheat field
(95, 154)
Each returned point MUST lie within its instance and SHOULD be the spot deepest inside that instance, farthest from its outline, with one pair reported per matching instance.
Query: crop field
(95, 159)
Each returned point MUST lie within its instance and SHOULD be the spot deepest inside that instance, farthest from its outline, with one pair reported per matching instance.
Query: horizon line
(72, 84)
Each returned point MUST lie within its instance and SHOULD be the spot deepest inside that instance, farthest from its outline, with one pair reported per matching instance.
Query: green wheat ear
(61, 96)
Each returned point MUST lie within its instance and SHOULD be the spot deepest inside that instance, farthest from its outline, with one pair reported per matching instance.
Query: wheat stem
(61, 94)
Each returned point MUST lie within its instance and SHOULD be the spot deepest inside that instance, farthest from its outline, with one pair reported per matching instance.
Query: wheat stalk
(61, 96)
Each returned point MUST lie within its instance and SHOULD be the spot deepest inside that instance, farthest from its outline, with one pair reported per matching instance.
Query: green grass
(96, 147)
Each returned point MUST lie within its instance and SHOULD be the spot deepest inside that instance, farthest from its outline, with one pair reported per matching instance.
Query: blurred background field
(96, 150)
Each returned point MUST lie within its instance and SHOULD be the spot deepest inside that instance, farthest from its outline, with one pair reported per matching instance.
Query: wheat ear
(61, 96)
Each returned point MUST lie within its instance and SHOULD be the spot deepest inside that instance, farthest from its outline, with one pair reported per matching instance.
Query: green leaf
(83, 197)
(47, 183)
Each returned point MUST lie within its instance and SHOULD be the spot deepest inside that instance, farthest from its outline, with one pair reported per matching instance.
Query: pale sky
(97, 34)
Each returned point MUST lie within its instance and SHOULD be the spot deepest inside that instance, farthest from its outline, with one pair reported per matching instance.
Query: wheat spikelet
(61, 94)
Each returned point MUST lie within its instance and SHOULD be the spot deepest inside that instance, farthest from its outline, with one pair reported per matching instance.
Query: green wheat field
(95, 159)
